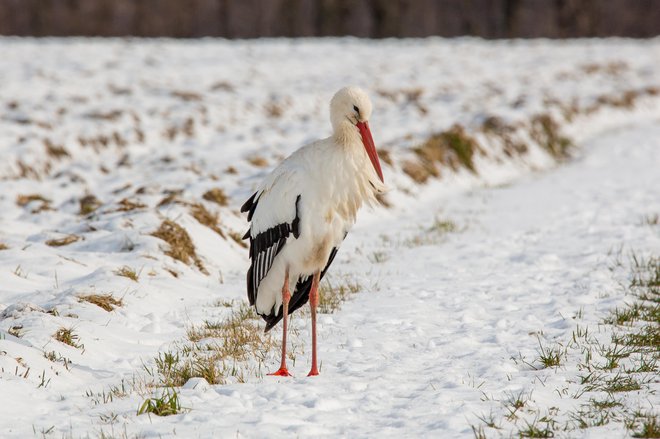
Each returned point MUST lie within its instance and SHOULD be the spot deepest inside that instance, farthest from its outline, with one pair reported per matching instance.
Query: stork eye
(357, 110)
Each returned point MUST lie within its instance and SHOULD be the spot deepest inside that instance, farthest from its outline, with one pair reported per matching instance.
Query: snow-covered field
(457, 284)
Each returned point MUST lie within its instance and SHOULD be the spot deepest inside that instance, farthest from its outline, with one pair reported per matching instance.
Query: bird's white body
(333, 178)
(303, 210)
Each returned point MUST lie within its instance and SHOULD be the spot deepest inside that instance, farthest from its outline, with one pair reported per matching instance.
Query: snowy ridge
(142, 130)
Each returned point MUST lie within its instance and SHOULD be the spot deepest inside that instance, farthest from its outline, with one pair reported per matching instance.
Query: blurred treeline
(363, 18)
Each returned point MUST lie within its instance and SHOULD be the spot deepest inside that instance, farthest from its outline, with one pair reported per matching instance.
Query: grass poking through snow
(68, 337)
(128, 272)
(105, 301)
(616, 365)
(180, 245)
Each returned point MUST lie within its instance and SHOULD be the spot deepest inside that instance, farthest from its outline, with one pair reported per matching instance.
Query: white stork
(303, 210)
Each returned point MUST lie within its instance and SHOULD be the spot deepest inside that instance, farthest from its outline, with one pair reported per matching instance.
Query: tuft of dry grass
(126, 205)
(181, 246)
(238, 239)
(110, 116)
(546, 132)
(217, 350)
(55, 151)
(216, 195)
(128, 272)
(222, 86)
(88, 204)
(453, 148)
(171, 196)
(419, 172)
(3, 246)
(105, 301)
(188, 96)
(258, 161)
(385, 156)
(24, 200)
(203, 216)
(331, 296)
(69, 239)
(494, 126)
(67, 336)
(274, 110)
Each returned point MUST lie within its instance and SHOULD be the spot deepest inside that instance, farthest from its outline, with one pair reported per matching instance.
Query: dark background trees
(363, 18)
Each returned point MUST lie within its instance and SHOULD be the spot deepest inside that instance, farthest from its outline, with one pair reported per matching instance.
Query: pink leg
(286, 296)
(313, 303)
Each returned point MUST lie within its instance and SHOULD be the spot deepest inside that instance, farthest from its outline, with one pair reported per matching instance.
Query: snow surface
(439, 316)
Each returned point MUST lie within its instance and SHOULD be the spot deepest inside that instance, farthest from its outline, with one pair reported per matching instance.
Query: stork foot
(314, 372)
(281, 372)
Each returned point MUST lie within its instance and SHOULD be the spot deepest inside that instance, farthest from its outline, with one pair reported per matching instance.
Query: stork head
(350, 110)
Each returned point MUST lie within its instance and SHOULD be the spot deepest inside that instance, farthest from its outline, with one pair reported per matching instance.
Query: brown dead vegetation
(109, 116)
(3, 246)
(385, 156)
(222, 86)
(546, 132)
(171, 196)
(88, 204)
(55, 151)
(216, 195)
(453, 148)
(495, 127)
(126, 205)
(188, 96)
(24, 200)
(612, 68)
(69, 239)
(181, 246)
(105, 301)
(127, 272)
(238, 239)
(258, 161)
(274, 110)
(203, 216)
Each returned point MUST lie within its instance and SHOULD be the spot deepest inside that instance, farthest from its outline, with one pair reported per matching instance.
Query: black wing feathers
(265, 246)
(250, 205)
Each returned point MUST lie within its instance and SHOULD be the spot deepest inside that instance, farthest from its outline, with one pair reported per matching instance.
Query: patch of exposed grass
(204, 217)
(420, 172)
(432, 235)
(546, 132)
(181, 246)
(216, 195)
(496, 127)
(56, 357)
(385, 156)
(164, 405)
(216, 350)
(55, 151)
(644, 425)
(105, 301)
(126, 205)
(128, 272)
(332, 295)
(186, 95)
(68, 337)
(550, 356)
(88, 204)
(610, 369)
(258, 161)
(238, 239)
(69, 239)
(24, 200)
(3, 246)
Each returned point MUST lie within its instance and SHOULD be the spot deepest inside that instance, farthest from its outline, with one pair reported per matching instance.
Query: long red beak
(368, 142)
